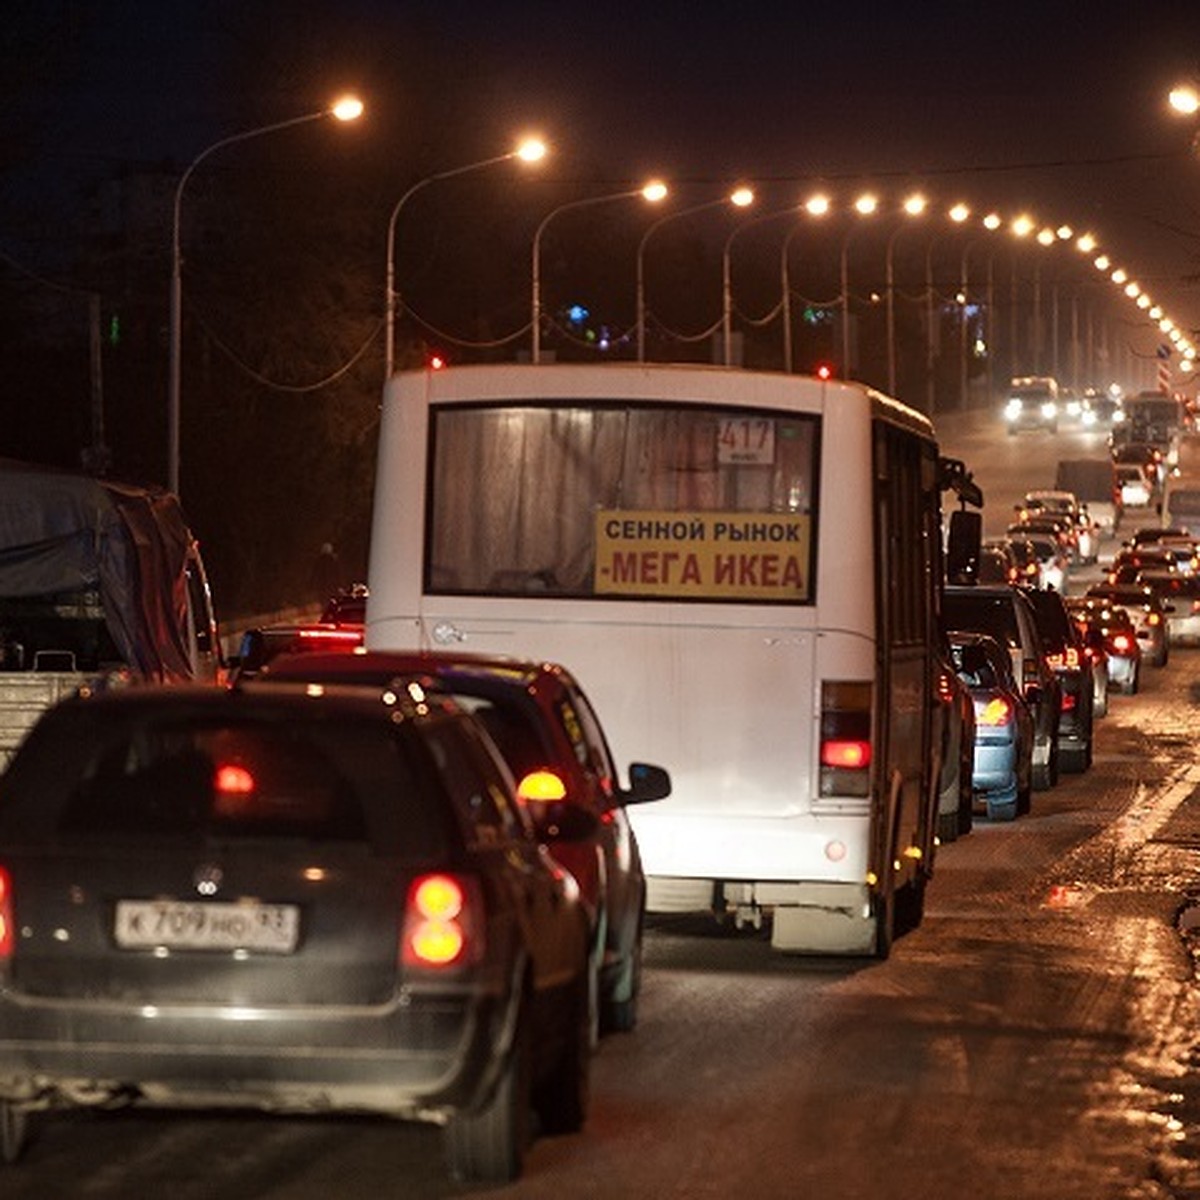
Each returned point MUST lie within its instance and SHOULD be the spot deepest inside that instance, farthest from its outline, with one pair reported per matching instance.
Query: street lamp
(817, 206)
(741, 197)
(1184, 98)
(865, 205)
(652, 192)
(348, 108)
(531, 150)
(726, 275)
(913, 206)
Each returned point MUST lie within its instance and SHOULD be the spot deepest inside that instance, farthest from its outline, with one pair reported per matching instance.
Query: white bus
(742, 569)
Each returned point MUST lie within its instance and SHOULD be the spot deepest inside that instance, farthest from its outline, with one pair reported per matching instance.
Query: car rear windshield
(1054, 625)
(984, 613)
(226, 778)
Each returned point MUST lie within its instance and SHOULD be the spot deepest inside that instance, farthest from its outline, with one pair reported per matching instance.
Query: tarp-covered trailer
(99, 581)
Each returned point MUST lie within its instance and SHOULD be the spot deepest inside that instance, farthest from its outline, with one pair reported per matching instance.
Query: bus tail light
(845, 756)
(441, 926)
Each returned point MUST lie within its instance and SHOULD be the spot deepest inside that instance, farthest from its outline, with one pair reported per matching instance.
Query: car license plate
(214, 925)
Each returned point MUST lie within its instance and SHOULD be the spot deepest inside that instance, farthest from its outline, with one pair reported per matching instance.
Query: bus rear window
(622, 501)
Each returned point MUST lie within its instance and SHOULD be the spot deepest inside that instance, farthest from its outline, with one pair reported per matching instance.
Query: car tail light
(541, 787)
(1153, 619)
(845, 754)
(440, 925)
(7, 933)
(945, 690)
(1122, 643)
(1069, 702)
(995, 713)
(329, 639)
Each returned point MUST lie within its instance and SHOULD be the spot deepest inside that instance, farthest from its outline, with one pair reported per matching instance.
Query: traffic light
(823, 370)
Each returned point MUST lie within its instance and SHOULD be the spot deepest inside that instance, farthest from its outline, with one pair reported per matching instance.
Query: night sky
(1055, 108)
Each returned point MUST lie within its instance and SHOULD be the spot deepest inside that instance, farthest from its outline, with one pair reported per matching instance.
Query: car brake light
(845, 754)
(541, 787)
(1121, 643)
(1153, 619)
(1069, 701)
(7, 937)
(996, 712)
(945, 690)
(438, 926)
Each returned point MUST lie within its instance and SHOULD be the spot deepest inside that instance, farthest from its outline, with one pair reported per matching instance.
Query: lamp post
(914, 206)
(865, 205)
(727, 276)
(346, 109)
(652, 192)
(531, 150)
(991, 223)
(816, 206)
(740, 198)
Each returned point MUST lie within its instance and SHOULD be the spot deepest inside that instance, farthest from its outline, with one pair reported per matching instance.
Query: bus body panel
(726, 695)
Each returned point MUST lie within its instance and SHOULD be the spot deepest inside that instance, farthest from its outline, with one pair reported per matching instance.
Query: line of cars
(1037, 667)
(394, 883)
(1040, 664)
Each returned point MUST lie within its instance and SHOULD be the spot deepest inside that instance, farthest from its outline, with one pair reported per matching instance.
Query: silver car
(1003, 763)
(1180, 596)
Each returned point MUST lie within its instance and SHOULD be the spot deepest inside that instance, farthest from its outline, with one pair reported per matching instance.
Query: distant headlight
(1012, 409)
(1049, 411)
(1118, 416)
(1089, 417)
(1074, 408)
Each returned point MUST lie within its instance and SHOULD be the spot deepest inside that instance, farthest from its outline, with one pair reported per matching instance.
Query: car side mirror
(646, 782)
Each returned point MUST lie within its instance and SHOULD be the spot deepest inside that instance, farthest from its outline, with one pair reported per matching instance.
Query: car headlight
(1049, 411)
(1012, 409)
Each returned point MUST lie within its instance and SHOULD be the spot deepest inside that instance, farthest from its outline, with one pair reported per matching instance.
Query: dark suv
(1066, 655)
(1006, 613)
(554, 744)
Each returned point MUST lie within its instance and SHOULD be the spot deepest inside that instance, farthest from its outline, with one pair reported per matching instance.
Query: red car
(552, 740)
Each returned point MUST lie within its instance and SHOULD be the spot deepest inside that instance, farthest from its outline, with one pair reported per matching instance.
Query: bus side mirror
(962, 551)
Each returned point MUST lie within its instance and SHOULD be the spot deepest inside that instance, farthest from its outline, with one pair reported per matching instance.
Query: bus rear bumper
(806, 917)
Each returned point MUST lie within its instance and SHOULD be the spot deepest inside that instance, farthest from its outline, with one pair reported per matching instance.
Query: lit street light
(1185, 99)
(652, 192)
(531, 150)
(347, 109)
(739, 198)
